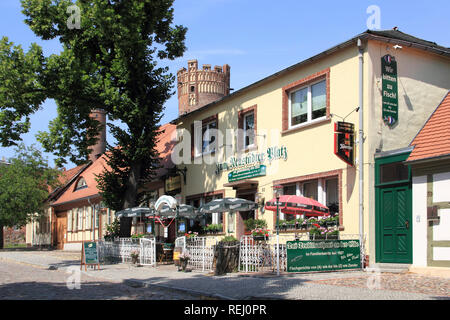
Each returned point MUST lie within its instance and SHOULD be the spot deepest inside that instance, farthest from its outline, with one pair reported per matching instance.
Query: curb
(201, 294)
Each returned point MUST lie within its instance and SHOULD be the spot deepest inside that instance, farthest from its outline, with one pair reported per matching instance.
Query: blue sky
(256, 38)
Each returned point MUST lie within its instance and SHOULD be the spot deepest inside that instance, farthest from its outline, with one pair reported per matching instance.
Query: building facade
(281, 131)
(430, 164)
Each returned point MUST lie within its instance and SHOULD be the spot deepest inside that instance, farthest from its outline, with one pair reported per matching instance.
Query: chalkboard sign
(89, 254)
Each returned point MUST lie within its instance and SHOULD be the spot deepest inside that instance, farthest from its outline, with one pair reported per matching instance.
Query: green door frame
(378, 207)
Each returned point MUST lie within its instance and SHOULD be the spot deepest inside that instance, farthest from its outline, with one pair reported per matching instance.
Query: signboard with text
(327, 255)
(252, 172)
(89, 254)
(389, 89)
(344, 141)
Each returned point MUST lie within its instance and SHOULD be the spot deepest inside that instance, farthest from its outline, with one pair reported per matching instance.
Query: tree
(110, 62)
(25, 184)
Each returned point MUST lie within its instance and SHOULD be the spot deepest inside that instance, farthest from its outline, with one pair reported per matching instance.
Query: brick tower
(100, 147)
(197, 88)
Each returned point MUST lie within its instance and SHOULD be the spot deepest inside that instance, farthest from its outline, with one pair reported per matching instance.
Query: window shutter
(75, 220)
(69, 220)
(89, 217)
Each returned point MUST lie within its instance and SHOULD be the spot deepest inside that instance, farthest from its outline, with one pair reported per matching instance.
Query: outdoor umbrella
(291, 204)
(135, 212)
(228, 205)
(184, 211)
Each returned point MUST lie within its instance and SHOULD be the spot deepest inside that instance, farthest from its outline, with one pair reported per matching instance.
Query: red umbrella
(298, 205)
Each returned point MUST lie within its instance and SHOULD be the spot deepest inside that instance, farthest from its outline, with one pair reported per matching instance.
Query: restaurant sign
(173, 183)
(344, 141)
(327, 255)
(247, 173)
(253, 159)
(389, 89)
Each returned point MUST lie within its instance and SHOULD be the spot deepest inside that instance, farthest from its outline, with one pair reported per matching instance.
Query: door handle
(407, 224)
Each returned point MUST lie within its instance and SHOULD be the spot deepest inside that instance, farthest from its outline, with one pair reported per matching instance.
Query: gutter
(361, 149)
(76, 200)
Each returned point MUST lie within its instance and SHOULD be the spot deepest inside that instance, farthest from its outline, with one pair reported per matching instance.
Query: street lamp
(277, 189)
(178, 198)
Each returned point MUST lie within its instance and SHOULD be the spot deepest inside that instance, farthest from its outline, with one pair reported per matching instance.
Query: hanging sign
(344, 141)
(307, 256)
(389, 89)
(173, 183)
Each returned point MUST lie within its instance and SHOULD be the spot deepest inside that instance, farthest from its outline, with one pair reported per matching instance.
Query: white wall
(419, 221)
(441, 187)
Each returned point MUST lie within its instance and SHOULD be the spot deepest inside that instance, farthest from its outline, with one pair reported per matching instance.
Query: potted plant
(260, 234)
(184, 259)
(134, 256)
(298, 223)
(282, 225)
(190, 235)
(251, 224)
(112, 230)
(290, 224)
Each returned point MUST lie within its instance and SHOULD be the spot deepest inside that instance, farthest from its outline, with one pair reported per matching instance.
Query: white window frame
(198, 135)
(309, 111)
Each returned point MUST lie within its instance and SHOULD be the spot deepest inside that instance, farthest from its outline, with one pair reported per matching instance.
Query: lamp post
(178, 198)
(277, 192)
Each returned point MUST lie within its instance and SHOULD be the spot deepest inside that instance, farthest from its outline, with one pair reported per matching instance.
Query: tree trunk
(1, 236)
(130, 198)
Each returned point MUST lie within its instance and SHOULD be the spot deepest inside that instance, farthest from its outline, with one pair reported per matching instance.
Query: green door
(395, 240)
(393, 209)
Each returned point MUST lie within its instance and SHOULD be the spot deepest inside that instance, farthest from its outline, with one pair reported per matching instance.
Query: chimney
(100, 147)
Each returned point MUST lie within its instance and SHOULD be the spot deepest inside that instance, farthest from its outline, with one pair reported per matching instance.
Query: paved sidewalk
(354, 285)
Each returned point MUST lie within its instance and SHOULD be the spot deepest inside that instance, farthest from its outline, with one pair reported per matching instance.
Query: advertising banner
(389, 89)
(327, 255)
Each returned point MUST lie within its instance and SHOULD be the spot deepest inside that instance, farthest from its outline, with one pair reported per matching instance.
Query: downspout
(93, 219)
(361, 152)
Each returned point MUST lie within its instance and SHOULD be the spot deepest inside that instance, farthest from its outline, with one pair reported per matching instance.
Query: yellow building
(287, 135)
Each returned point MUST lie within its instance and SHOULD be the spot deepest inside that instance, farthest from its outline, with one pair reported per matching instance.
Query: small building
(76, 212)
(430, 163)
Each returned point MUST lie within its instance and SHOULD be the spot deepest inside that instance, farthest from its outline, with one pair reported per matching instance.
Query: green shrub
(252, 224)
(229, 239)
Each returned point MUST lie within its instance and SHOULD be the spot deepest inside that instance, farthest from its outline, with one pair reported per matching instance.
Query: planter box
(322, 237)
(259, 238)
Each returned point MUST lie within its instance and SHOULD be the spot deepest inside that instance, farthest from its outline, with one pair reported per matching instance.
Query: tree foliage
(112, 63)
(25, 184)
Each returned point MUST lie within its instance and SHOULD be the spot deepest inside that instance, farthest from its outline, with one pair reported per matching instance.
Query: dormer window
(81, 184)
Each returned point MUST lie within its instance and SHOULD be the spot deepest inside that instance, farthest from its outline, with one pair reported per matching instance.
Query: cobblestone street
(26, 275)
(20, 281)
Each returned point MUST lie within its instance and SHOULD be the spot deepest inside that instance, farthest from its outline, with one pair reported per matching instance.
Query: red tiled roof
(164, 147)
(434, 138)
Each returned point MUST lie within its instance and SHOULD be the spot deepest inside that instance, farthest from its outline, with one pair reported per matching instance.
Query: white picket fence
(120, 250)
(201, 251)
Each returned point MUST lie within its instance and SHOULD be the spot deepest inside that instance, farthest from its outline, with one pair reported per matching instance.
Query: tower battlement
(199, 87)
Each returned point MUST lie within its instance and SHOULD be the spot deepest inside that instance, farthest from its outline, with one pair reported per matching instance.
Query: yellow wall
(423, 82)
(309, 151)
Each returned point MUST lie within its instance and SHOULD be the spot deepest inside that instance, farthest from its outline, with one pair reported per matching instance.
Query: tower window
(192, 88)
